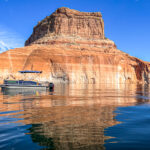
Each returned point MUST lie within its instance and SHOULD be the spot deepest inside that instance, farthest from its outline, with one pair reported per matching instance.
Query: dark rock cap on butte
(69, 23)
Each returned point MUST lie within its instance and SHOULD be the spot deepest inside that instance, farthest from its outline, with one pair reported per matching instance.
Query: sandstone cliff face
(71, 64)
(69, 46)
(71, 23)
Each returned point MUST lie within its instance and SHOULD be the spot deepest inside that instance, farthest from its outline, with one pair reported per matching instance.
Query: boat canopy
(30, 71)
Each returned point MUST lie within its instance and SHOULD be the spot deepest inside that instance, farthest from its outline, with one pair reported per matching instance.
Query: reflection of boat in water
(22, 91)
(21, 84)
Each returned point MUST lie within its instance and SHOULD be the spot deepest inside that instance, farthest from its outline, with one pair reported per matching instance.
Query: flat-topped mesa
(68, 23)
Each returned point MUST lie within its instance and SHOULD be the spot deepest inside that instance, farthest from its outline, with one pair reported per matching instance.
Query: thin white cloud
(3, 47)
(2, 43)
(10, 38)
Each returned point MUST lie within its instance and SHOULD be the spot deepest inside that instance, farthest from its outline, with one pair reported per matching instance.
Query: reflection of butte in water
(78, 123)
(77, 119)
(73, 127)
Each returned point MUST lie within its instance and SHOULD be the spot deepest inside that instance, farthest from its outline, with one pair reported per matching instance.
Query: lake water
(76, 117)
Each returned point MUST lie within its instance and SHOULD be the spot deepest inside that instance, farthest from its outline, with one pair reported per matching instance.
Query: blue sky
(127, 22)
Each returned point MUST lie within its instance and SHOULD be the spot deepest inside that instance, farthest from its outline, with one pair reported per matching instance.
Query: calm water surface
(84, 117)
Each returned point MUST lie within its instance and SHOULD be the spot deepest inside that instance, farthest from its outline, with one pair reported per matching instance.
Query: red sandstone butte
(70, 46)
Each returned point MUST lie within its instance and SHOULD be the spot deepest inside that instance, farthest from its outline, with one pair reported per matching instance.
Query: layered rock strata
(68, 23)
(69, 46)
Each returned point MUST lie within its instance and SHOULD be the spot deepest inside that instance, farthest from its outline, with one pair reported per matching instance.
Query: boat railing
(20, 82)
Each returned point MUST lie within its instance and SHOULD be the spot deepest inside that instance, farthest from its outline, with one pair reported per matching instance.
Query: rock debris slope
(70, 46)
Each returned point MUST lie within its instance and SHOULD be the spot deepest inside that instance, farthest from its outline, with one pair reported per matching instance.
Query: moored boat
(23, 84)
(10, 84)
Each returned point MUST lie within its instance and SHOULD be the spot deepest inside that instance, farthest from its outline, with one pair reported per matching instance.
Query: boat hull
(23, 87)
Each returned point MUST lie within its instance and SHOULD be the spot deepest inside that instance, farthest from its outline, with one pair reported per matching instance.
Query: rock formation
(70, 46)
(68, 23)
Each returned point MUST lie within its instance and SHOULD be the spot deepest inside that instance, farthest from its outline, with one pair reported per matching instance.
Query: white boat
(22, 84)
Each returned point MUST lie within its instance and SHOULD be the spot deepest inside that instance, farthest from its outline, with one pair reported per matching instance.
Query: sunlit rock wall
(70, 46)
(60, 63)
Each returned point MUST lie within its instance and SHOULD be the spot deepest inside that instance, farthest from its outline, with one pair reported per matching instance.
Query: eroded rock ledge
(69, 46)
(65, 22)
